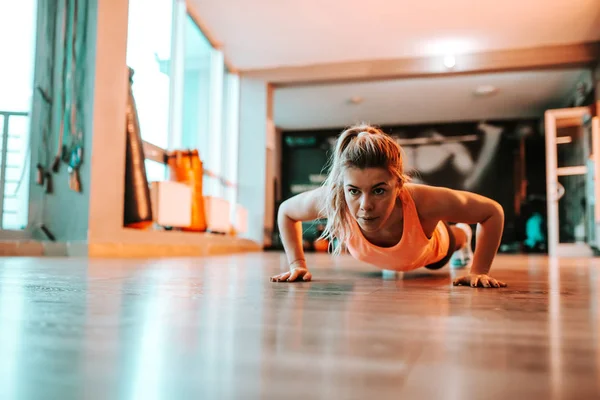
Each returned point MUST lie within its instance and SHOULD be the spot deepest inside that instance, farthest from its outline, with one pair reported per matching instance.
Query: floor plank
(217, 328)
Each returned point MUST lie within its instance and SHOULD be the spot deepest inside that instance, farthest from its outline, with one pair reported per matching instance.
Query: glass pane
(149, 54)
(1, 134)
(12, 221)
(16, 143)
(15, 159)
(13, 174)
(16, 197)
(155, 171)
(572, 209)
(230, 99)
(570, 147)
(11, 204)
(18, 125)
(18, 26)
(10, 188)
(17, 29)
(196, 89)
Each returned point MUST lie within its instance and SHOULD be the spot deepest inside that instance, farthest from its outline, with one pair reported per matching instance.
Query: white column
(215, 118)
(230, 149)
(176, 75)
(252, 157)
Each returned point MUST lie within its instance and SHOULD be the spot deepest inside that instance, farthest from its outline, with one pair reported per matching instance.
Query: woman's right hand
(305, 206)
(295, 274)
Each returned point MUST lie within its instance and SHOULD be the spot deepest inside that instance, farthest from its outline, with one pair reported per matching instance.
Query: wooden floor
(216, 328)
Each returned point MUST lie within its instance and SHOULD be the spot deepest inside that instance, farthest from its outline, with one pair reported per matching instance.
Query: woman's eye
(353, 192)
(379, 191)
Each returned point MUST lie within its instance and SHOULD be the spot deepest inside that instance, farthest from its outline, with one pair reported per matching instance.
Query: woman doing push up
(383, 220)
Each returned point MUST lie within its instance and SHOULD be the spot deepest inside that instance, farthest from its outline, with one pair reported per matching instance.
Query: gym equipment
(186, 167)
(138, 208)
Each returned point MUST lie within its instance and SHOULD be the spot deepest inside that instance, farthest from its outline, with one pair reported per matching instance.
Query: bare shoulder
(424, 197)
(305, 206)
(433, 202)
(427, 195)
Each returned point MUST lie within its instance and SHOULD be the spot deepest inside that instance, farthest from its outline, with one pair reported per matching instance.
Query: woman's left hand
(478, 280)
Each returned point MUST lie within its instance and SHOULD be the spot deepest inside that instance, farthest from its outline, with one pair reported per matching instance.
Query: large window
(17, 44)
(149, 54)
(185, 97)
(196, 89)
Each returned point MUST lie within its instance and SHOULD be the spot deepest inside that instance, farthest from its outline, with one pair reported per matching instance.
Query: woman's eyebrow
(379, 184)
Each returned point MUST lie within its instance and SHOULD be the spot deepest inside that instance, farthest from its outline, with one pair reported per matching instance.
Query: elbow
(497, 211)
(283, 212)
(493, 213)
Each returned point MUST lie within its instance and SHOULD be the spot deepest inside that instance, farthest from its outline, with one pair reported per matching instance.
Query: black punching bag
(138, 209)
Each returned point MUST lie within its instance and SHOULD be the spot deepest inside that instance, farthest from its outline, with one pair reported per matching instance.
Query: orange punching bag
(186, 167)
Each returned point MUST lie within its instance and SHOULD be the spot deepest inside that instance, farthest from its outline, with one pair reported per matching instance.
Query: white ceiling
(271, 33)
(411, 101)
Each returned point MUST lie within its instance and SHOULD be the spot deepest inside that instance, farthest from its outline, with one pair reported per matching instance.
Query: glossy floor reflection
(216, 328)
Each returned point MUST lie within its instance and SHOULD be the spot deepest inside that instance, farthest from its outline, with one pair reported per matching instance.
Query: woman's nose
(366, 204)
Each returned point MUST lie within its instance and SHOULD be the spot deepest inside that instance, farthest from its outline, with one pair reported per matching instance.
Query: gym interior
(147, 148)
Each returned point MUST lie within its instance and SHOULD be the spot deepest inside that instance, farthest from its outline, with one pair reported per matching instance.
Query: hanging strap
(66, 31)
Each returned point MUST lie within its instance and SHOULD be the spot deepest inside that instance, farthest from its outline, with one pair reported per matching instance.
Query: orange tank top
(414, 250)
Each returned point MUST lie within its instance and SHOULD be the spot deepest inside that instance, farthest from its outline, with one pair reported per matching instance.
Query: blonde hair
(360, 146)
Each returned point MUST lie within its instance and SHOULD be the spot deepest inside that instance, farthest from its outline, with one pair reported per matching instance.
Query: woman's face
(371, 195)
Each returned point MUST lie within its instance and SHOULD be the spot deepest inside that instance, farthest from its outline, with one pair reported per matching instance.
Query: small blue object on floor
(391, 274)
(463, 257)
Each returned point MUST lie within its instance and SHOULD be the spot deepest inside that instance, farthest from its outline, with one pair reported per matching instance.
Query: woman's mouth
(368, 219)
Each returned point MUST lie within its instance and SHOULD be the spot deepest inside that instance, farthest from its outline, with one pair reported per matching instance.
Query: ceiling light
(356, 100)
(449, 61)
(485, 90)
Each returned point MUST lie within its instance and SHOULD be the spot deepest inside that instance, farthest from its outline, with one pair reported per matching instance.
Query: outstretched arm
(302, 207)
(460, 206)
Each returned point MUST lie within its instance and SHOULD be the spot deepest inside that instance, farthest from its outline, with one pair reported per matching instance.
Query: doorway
(569, 164)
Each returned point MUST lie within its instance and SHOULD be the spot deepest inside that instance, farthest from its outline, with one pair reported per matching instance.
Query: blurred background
(236, 107)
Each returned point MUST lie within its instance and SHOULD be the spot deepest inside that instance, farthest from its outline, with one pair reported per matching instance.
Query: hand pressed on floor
(478, 280)
(293, 275)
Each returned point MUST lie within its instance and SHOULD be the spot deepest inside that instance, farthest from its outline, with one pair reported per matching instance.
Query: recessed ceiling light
(449, 61)
(485, 90)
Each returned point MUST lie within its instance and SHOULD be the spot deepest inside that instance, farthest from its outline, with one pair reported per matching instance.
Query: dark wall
(483, 158)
